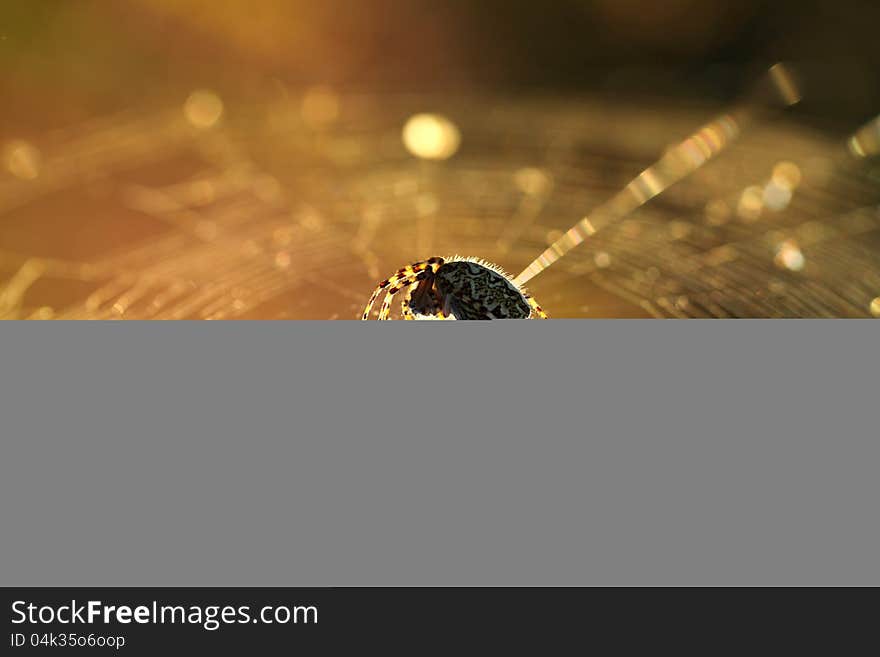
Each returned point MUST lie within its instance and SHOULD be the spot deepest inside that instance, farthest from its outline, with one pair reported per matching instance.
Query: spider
(465, 288)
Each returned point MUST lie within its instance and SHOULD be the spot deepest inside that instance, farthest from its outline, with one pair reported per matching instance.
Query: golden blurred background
(275, 159)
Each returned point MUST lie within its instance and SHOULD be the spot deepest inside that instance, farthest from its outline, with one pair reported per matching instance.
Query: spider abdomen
(474, 291)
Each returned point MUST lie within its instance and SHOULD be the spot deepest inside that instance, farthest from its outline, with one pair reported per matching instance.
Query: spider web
(270, 214)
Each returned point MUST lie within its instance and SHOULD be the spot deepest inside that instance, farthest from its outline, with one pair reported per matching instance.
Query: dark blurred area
(61, 60)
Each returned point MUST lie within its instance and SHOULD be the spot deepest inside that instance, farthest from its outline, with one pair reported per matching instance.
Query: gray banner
(519, 453)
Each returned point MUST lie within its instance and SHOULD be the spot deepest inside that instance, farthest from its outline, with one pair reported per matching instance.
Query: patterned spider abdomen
(474, 291)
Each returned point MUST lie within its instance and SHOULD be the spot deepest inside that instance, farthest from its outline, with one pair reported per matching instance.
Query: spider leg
(419, 274)
(435, 308)
(405, 310)
(385, 310)
(444, 307)
(535, 307)
(440, 307)
(375, 296)
(400, 275)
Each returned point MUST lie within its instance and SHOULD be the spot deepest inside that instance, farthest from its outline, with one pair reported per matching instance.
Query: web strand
(676, 164)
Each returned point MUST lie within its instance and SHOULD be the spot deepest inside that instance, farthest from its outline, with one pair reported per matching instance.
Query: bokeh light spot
(787, 175)
(533, 182)
(203, 109)
(751, 203)
(431, 137)
(776, 197)
(789, 256)
(22, 160)
(602, 260)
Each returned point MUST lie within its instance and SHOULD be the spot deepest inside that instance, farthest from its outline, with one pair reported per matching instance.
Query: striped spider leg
(539, 312)
(404, 278)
